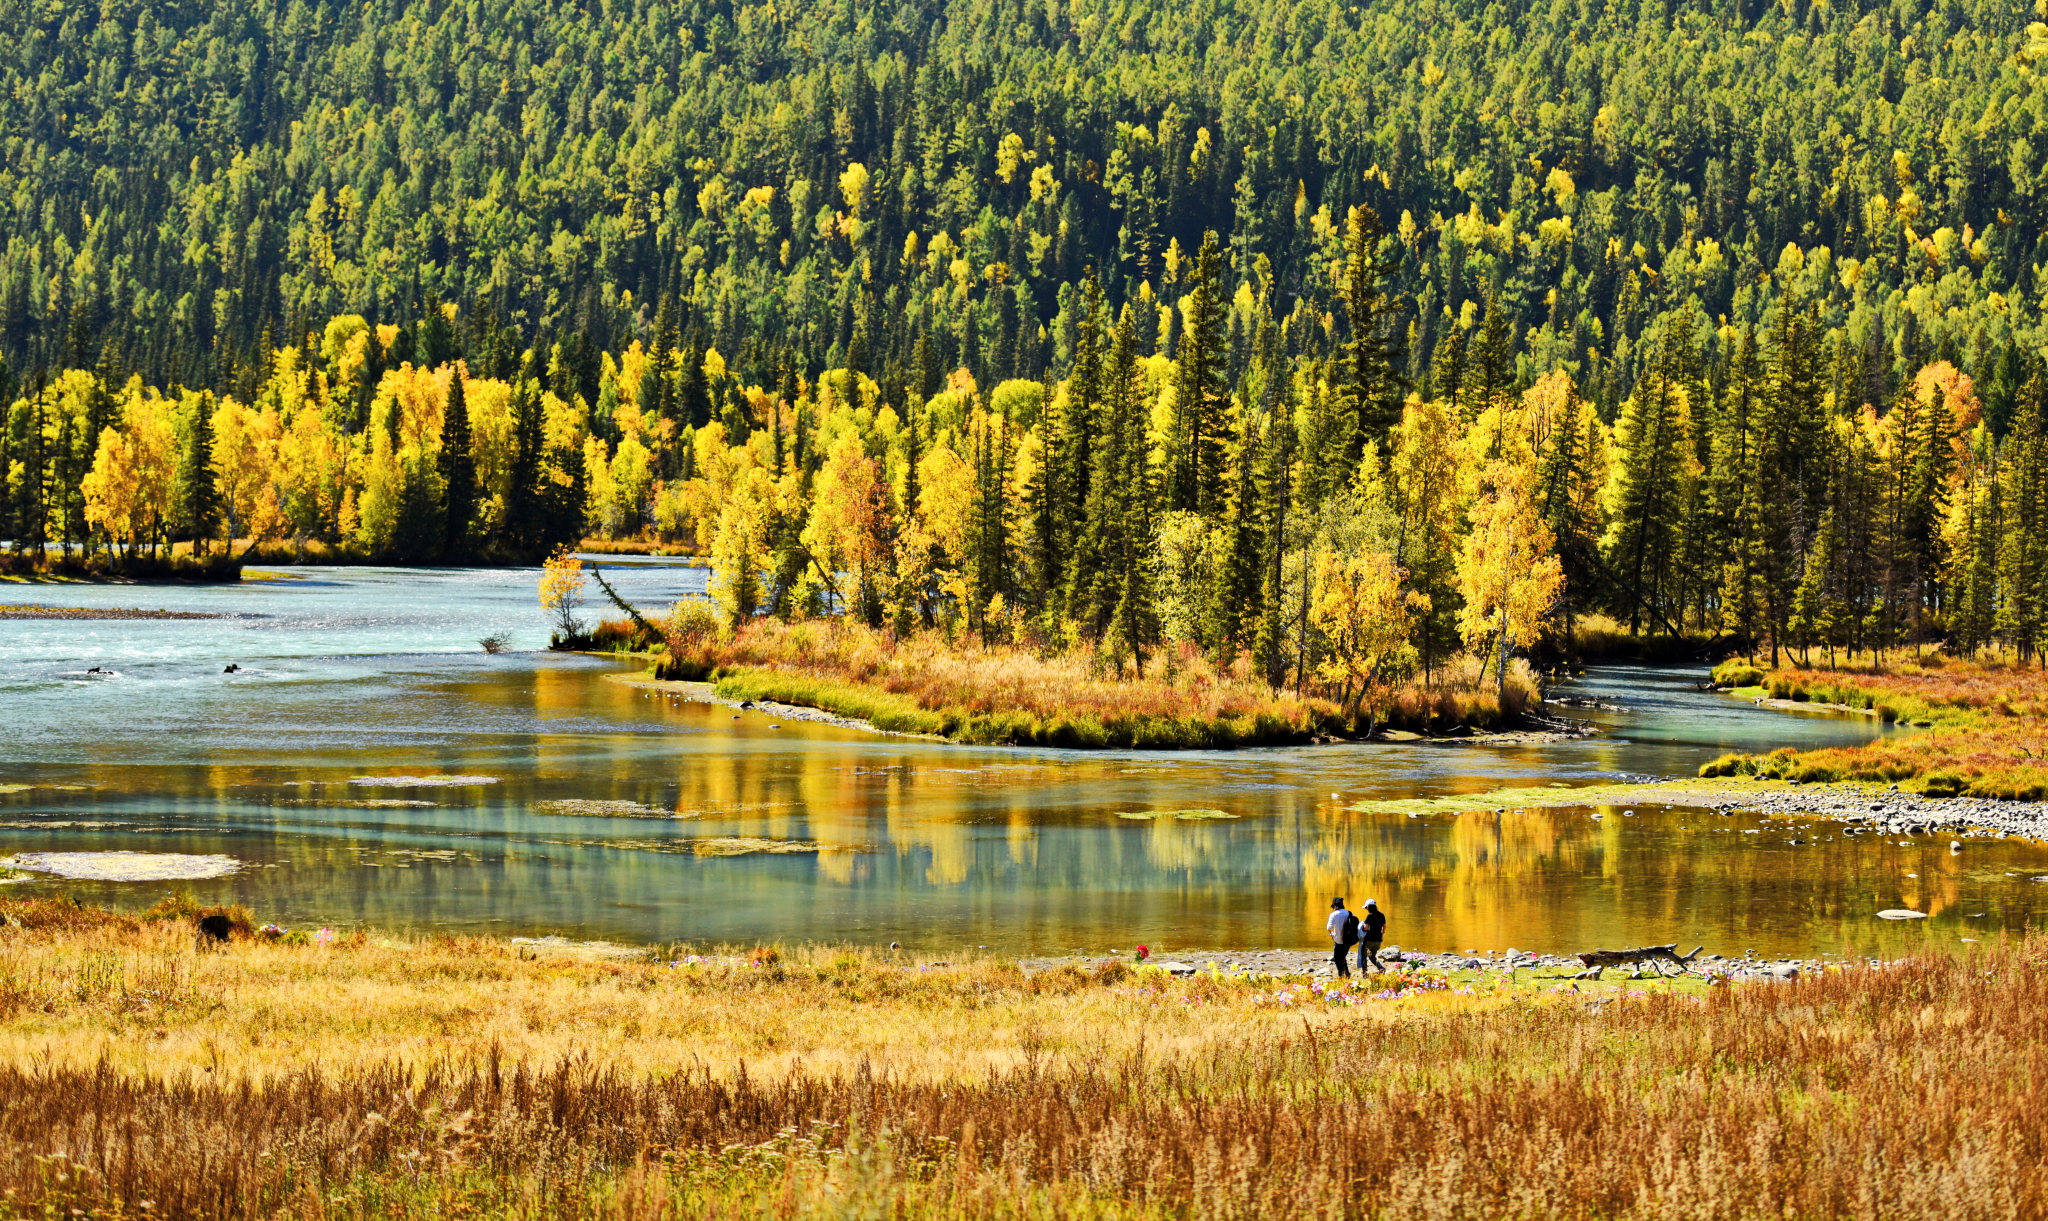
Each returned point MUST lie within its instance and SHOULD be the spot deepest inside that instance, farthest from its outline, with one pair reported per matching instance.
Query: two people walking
(1366, 931)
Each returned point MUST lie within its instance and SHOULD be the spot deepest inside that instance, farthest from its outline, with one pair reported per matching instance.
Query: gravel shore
(1877, 810)
(1461, 966)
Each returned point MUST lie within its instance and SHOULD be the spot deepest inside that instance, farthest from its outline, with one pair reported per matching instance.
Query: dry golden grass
(1986, 727)
(78, 986)
(1012, 694)
(454, 1079)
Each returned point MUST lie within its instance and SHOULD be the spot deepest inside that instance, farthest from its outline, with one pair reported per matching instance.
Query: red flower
(1144, 952)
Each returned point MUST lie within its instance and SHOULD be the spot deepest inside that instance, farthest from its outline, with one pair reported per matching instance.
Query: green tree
(1195, 476)
(457, 470)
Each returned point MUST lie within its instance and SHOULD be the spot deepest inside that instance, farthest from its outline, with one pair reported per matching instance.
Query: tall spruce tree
(1648, 511)
(1492, 375)
(1233, 604)
(1069, 473)
(1561, 476)
(1276, 483)
(458, 471)
(201, 486)
(1371, 387)
(2022, 615)
(1195, 476)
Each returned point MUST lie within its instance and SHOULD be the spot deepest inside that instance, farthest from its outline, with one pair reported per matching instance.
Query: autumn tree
(1508, 572)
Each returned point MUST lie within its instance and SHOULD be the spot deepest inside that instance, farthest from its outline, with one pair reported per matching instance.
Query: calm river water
(369, 763)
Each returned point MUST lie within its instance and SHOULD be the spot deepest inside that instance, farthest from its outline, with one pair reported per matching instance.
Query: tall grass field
(143, 1074)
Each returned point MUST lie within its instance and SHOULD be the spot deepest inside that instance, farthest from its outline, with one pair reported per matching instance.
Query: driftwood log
(1656, 955)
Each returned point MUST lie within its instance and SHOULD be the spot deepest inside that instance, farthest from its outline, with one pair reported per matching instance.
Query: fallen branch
(1657, 955)
(639, 620)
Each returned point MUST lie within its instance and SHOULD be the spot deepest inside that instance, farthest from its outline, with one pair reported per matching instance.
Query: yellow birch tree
(1508, 571)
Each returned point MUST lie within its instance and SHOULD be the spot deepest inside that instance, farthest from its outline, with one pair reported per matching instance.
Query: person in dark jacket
(1372, 930)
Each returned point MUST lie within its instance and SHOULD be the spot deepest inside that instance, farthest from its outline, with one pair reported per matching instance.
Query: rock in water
(1900, 913)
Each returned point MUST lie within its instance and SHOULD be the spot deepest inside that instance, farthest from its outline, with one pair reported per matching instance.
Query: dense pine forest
(1335, 339)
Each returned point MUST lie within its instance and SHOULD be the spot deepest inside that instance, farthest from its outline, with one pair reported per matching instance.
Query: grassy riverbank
(1009, 694)
(103, 565)
(142, 1076)
(1985, 726)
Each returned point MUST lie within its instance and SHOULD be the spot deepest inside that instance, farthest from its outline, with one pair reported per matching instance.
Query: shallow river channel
(369, 763)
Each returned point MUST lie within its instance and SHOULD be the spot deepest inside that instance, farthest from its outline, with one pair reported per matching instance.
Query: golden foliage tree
(1508, 570)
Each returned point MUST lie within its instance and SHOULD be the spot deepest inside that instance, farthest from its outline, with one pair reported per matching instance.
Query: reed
(1915, 1090)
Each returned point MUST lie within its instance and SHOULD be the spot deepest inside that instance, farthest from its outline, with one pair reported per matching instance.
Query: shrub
(1942, 784)
(1731, 764)
(1737, 673)
(1115, 971)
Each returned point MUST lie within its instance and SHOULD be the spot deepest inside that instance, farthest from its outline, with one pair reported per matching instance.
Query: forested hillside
(1730, 312)
(187, 179)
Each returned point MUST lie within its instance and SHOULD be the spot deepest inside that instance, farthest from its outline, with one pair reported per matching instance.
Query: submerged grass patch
(368, 1077)
(1550, 795)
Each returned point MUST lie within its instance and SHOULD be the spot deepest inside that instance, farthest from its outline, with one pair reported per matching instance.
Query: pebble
(1888, 814)
(1295, 963)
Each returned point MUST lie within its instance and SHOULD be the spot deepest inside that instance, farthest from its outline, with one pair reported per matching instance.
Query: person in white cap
(1371, 932)
(1343, 928)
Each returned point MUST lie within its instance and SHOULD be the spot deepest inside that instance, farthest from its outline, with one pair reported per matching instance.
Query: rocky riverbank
(85, 613)
(1865, 807)
(1463, 967)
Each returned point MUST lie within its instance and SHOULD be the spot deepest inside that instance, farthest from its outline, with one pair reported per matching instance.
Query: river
(370, 764)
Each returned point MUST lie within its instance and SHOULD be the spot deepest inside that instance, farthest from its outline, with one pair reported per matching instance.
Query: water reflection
(614, 813)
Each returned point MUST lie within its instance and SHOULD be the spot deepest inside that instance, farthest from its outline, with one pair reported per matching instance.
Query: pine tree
(1448, 367)
(1115, 606)
(563, 495)
(1562, 489)
(525, 513)
(1645, 538)
(1276, 480)
(1493, 358)
(2022, 615)
(1809, 618)
(201, 486)
(1234, 602)
(1068, 477)
(989, 588)
(1791, 464)
(1973, 580)
(1733, 495)
(1371, 388)
(1428, 494)
(458, 470)
(1196, 482)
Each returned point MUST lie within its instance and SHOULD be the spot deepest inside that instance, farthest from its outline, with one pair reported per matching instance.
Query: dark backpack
(1350, 928)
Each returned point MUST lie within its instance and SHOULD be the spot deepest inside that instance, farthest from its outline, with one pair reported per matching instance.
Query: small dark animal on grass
(215, 927)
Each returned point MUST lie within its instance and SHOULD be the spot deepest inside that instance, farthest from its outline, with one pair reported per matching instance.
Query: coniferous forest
(1341, 339)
